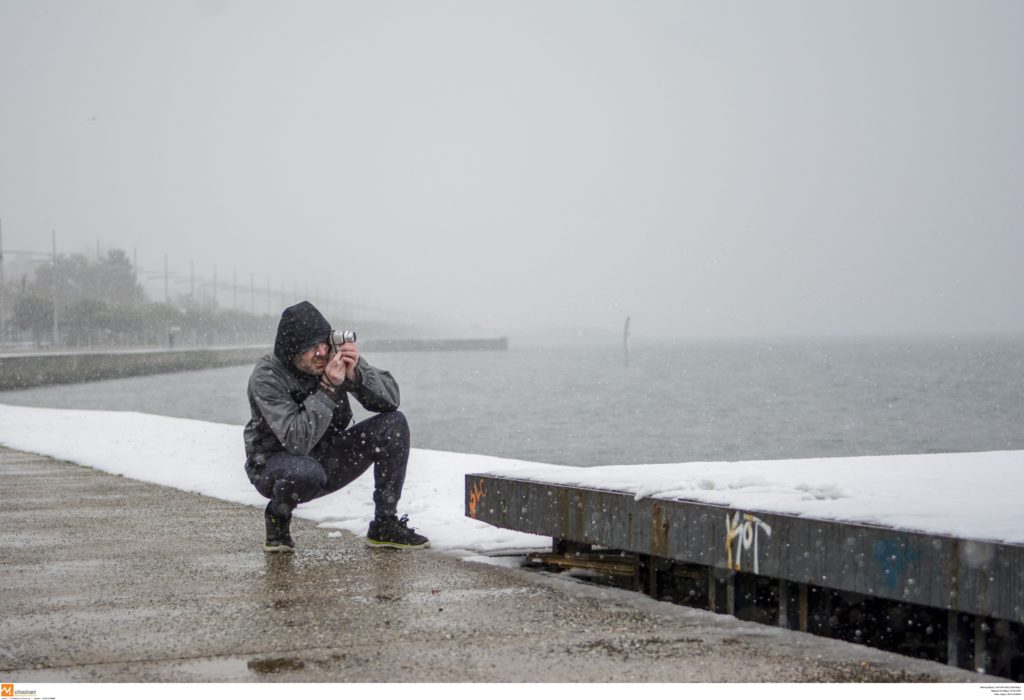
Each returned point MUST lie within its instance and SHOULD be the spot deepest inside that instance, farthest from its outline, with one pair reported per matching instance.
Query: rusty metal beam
(975, 577)
(607, 564)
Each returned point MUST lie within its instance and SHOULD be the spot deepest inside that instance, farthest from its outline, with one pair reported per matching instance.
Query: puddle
(221, 670)
(276, 665)
(450, 595)
(227, 669)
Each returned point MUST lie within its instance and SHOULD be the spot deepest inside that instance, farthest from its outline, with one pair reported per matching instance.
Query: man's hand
(350, 356)
(334, 372)
(342, 365)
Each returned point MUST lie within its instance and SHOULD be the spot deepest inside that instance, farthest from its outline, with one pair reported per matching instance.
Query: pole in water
(625, 342)
(3, 327)
(56, 322)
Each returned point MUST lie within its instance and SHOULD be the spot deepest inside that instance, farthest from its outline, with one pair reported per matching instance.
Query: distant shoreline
(28, 370)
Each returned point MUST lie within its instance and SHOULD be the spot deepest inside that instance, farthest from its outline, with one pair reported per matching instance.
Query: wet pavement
(104, 578)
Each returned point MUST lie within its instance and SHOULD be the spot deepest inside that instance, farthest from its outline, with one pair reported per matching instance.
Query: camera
(339, 338)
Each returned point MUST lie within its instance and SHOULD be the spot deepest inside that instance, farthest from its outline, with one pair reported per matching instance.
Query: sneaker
(394, 533)
(279, 539)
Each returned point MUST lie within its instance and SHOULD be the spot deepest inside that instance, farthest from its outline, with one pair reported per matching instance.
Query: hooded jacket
(289, 411)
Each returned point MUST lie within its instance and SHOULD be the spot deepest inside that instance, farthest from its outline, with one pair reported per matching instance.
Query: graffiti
(475, 494)
(893, 558)
(741, 532)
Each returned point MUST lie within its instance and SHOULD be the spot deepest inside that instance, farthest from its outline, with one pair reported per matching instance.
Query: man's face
(314, 360)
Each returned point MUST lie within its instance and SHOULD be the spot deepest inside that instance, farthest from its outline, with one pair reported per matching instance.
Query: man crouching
(298, 445)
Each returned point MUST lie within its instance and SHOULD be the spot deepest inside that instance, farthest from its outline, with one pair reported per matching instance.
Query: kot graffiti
(741, 536)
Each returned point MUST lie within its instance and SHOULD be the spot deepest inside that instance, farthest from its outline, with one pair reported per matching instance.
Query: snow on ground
(208, 458)
(971, 495)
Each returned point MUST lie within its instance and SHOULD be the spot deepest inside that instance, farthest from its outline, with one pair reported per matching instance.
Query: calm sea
(674, 402)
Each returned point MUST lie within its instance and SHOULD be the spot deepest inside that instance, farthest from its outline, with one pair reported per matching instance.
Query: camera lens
(342, 337)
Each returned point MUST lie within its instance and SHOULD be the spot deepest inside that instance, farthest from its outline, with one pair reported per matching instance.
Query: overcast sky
(709, 168)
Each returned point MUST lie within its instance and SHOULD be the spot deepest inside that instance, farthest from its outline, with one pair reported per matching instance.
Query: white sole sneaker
(379, 544)
(277, 548)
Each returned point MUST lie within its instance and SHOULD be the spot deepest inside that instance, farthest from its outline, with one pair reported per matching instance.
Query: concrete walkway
(107, 579)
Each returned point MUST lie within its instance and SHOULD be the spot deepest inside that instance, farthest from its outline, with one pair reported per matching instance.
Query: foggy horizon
(709, 170)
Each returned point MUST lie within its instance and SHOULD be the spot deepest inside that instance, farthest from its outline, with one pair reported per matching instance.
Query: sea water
(581, 404)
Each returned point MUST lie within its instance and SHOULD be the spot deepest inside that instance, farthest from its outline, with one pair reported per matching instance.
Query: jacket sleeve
(299, 427)
(377, 390)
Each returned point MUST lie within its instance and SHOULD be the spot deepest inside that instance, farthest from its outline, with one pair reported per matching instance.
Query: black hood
(300, 328)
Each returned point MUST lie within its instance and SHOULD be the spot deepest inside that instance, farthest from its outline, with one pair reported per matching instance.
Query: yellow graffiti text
(741, 536)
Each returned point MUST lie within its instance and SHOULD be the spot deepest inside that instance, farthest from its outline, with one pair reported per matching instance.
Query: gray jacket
(290, 413)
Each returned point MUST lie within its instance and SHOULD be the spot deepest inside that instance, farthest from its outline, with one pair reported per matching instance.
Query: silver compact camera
(339, 338)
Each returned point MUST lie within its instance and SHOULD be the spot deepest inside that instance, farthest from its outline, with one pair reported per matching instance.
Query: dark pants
(383, 440)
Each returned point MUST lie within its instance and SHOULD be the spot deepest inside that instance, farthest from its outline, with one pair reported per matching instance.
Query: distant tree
(33, 313)
(159, 318)
(87, 322)
(126, 322)
(78, 277)
(70, 277)
(101, 301)
(117, 281)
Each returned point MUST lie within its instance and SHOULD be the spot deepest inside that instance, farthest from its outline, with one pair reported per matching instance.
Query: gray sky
(710, 168)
